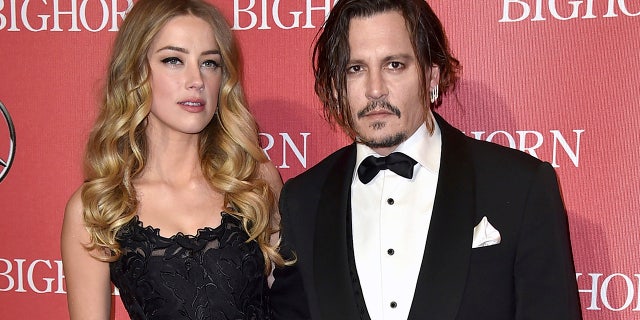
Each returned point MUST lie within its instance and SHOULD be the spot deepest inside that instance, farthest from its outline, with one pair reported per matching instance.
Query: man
(460, 229)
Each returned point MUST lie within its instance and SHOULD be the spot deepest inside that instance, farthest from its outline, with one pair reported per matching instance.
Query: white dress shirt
(390, 222)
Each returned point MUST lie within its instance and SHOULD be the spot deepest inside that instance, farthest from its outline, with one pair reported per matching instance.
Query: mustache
(378, 104)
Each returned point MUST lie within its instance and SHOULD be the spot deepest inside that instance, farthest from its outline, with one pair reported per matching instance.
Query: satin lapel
(445, 264)
(331, 269)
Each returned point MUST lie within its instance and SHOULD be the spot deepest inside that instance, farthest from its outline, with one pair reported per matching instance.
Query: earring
(433, 94)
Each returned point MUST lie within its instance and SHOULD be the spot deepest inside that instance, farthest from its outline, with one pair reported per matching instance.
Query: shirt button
(390, 252)
(390, 201)
(393, 304)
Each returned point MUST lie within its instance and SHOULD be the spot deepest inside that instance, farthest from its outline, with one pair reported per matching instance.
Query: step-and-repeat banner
(556, 79)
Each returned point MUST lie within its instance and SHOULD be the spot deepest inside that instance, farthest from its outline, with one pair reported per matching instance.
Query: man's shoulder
(499, 155)
(485, 153)
(318, 173)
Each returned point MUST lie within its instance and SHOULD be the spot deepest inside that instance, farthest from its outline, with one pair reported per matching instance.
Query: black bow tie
(397, 162)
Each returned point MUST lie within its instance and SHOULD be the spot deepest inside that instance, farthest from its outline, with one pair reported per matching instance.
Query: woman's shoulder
(73, 222)
(74, 204)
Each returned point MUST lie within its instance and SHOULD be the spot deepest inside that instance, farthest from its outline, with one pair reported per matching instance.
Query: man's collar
(421, 146)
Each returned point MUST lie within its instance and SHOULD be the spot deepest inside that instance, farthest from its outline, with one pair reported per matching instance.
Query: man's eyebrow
(403, 56)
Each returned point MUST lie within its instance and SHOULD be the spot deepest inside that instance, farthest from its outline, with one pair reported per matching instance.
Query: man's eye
(354, 69)
(171, 60)
(395, 65)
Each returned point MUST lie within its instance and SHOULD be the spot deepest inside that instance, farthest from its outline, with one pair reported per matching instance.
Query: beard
(384, 142)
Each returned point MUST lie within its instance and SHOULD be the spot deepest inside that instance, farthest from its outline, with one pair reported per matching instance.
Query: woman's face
(185, 76)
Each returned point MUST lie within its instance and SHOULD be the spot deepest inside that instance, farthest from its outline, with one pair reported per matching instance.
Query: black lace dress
(213, 275)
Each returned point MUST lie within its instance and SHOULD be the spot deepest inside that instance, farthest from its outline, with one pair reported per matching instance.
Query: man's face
(383, 83)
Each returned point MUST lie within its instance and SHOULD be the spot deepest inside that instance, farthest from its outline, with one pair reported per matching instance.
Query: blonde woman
(179, 203)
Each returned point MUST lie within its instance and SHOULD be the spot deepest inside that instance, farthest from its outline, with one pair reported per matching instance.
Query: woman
(178, 207)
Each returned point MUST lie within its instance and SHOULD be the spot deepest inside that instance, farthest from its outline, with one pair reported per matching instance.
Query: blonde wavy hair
(116, 151)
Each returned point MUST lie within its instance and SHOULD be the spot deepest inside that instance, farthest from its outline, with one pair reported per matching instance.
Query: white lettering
(276, 16)
(532, 141)
(121, 14)
(310, 8)
(12, 16)
(270, 143)
(25, 18)
(605, 287)
(593, 290)
(48, 281)
(623, 7)
(246, 17)
(574, 156)
(19, 263)
(506, 9)
(57, 13)
(14, 27)
(555, 14)
(7, 275)
(510, 140)
(626, 290)
(83, 16)
(520, 10)
(637, 308)
(60, 277)
(14, 273)
(286, 141)
(3, 19)
(236, 15)
(538, 16)
(523, 144)
(589, 14)
(90, 19)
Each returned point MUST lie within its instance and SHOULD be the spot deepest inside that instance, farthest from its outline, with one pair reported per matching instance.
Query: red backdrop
(557, 79)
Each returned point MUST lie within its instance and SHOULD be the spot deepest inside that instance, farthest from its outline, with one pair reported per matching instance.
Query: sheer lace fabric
(215, 274)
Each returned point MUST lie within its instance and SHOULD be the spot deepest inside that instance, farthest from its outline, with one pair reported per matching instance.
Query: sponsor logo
(598, 291)
(286, 147)
(536, 143)
(37, 276)
(614, 292)
(285, 15)
(62, 15)
(560, 148)
(541, 10)
(6, 158)
(288, 150)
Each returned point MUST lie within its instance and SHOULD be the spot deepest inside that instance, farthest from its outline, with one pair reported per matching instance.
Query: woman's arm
(87, 278)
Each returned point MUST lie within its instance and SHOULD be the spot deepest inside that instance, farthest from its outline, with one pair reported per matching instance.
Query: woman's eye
(171, 60)
(211, 64)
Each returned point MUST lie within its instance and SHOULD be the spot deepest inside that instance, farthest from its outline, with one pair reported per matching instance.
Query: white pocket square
(484, 234)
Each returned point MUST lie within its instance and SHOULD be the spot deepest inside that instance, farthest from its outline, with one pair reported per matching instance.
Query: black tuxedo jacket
(529, 275)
